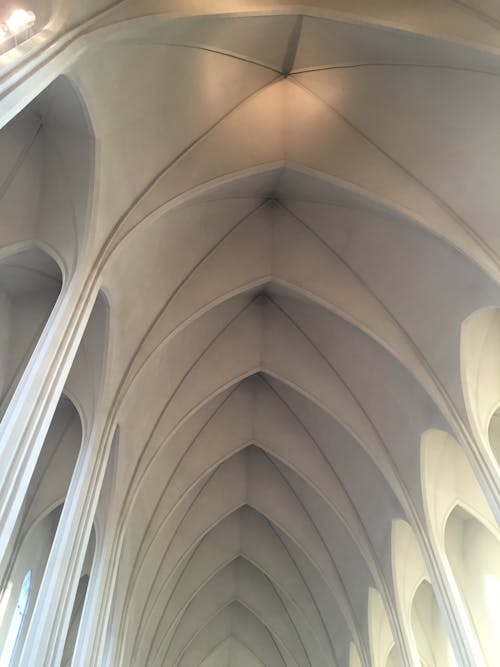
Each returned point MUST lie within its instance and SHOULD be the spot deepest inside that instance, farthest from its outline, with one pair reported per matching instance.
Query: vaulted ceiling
(293, 212)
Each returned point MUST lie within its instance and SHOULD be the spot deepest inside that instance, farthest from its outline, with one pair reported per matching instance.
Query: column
(46, 636)
(91, 637)
(28, 417)
(462, 637)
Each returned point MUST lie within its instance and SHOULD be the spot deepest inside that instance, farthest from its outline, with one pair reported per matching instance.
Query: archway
(30, 282)
(474, 554)
(40, 517)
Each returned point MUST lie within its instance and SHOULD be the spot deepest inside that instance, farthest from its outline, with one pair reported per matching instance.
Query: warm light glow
(492, 587)
(20, 20)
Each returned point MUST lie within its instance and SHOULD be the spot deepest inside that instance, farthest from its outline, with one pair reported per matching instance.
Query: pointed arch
(473, 551)
(30, 284)
(381, 637)
(417, 602)
(480, 369)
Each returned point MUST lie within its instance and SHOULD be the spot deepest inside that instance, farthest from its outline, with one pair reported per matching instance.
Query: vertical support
(29, 414)
(98, 601)
(460, 633)
(46, 636)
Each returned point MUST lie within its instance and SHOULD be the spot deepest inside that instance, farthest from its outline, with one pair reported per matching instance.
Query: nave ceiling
(291, 215)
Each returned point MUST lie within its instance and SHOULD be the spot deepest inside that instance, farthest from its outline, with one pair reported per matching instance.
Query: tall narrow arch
(465, 535)
(47, 174)
(480, 360)
(80, 598)
(473, 551)
(16, 622)
(494, 434)
(432, 642)
(417, 602)
(448, 479)
(381, 638)
(30, 283)
(42, 508)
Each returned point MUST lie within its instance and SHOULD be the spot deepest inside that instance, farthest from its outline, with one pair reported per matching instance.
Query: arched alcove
(76, 614)
(417, 602)
(30, 283)
(480, 359)
(465, 534)
(383, 650)
(494, 434)
(17, 620)
(41, 512)
(473, 551)
(448, 479)
(31, 556)
(47, 173)
(428, 629)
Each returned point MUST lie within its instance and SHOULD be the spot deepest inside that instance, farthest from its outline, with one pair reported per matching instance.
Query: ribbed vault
(295, 211)
(272, 388)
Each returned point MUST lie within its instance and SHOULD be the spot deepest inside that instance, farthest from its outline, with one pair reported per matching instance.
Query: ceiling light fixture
(20, 20)
(16, 27)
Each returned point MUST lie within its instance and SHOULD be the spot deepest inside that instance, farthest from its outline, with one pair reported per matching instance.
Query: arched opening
(46, 174)
(81, 593)
(428, 629)
(30, 282)
(32, 556)
(418, 606)
(17, 621)
(480, 359)
(474, 554)
(383, 649)
(40, 517)
(494, 434)
(459, 520)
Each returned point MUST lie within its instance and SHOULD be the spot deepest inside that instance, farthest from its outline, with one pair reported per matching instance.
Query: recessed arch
(31, 556)
(417, 602)
(36, 529)
(30, 284)
(448, 480)
(494, 434)
(474, 554)
(480, 361)
(381, 638)
(456, 508)
(430, 635)
(48, 150)
(17, 621)
(80, 598)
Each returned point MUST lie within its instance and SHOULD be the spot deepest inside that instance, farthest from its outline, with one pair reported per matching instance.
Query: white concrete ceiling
(293, 214)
